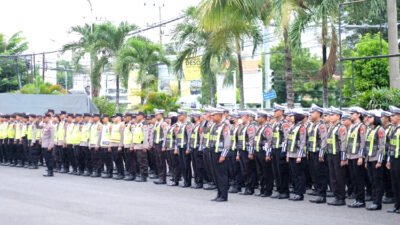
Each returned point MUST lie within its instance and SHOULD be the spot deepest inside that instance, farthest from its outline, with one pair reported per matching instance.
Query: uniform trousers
(376, 178)
(337, 175)
(357, 174)
(220, 171)
(264, 171)
(298, 175)
(280, 169)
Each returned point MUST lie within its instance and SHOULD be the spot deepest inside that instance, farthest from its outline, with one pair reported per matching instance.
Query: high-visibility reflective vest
(388, 130)
(194, 136)
(312, 139)
(85, 133)
(39, 134)
(18, 130)
(257, 138)
(181, 136)
(69, 136)
(3, 130)
(128, 136)
(76, 134)
(233, 138)
(395, 143)
(370, 142)
(138, 136)
(55, 134)
(217, 139)
(10, 130)
(331, 140)
(30, 132)
(292, 138)
(105, 136)
(24, 130)
(115, 133)
(352, 139)
(61, 131)
(208, 135)
(242, 137)
(94, 134)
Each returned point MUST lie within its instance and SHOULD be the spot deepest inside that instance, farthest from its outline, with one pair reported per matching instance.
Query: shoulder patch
(381, 134)
(268, 131)
(188, 128)
(226, 130)
(362, 130)
(302, 130)
(285, 125)
(343, 131)
(322, 128)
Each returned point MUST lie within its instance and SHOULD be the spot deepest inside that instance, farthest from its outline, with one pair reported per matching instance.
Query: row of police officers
(351, 155)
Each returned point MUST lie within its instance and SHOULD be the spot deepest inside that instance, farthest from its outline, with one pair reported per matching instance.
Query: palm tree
(13, 45)
(323, 12)
(40, 87)
(111, 40)
(87, 44)
(191, 41)
(142, 52)
(231, 22)
(280, 13)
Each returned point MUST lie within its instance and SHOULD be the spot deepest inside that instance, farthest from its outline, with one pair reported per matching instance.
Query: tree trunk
(288, 71)
(95, 87)
(393, 43)
(117, 94)
(240, 80)
(179, 88)
(324, 58)
(212, 90)
(142, 86)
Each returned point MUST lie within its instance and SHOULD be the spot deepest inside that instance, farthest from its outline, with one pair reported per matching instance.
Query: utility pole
(393, 44)
(19, 77)
(43, 66)
(267, 68)
(159, 13)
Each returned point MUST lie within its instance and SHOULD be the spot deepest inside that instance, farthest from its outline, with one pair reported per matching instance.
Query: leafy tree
(230, 22)
(367, 73)
(193, 40)
(143, 53)
(158, 100)
(64, 74)
(14, 45)
(40, 87)
(305, 65)
(104, 105)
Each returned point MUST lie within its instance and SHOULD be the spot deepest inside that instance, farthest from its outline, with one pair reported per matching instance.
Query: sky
(46, 23)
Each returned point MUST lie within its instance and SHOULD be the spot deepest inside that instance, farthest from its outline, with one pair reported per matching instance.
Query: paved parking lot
(28, 198)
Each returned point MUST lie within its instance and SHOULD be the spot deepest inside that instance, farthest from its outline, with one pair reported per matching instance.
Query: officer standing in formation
(224, 150)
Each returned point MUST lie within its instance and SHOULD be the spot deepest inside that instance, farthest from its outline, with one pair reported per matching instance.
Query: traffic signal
(271, 80)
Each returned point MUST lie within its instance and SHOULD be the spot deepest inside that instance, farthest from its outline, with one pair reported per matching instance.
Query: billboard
(225, 94)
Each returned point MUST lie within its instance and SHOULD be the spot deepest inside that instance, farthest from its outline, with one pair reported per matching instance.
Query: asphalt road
(26, 197)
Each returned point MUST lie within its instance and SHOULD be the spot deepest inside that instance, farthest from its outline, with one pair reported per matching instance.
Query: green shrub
(377, 98)
(104, 105)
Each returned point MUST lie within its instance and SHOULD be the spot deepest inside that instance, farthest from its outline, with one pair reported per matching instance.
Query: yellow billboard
(191, 68)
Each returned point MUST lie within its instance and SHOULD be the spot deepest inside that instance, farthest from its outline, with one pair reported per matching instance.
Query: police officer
(262, 141)
(94, 146)
(205, 149)
(184, 154)
(128, 148)
(105, 145)
(2, 137)
(295, 144)
(76, 139)
(48, 144)
(355, 147)
(246, 134)
(336, 155)
(116, 142)
(69, 156)
(316, 146)
(171, 149)
(234, 172)
(140, 145)
(151, 159)
(160, 132)
(388, 126)
(374, 152)
(86, 165)
(280, 167)
(11, 137)
(393, 159)
(60, 147)
(19, 152)
(219, 148)
(193, 148)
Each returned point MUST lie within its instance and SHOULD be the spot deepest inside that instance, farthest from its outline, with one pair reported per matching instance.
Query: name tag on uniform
(105, 142)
